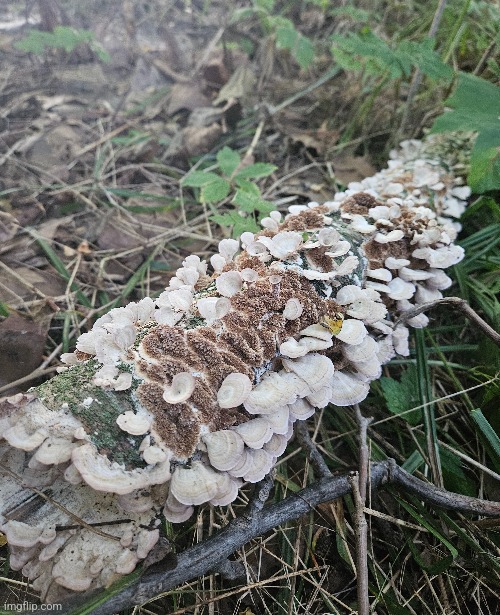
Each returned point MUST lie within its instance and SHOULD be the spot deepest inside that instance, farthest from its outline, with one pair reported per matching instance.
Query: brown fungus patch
(319, 260)
(358, 203)
(164, 340)
(177, 424)
(305, 220)
(377, 253)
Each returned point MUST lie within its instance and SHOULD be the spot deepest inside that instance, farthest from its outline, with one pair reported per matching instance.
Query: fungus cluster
(178, 401)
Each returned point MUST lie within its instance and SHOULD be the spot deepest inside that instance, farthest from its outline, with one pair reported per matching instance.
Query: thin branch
(204, 557)
(359, 487)
(261, 493)
(315, 457)
(361, 533)
(364, 453)
(462, 306)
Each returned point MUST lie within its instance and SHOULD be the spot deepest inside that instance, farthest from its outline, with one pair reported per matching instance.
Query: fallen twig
(462, 306)
(204, 557)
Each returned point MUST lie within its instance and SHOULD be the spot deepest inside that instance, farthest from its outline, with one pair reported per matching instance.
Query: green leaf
(475, 107)
(255, 171)
(367, 45)
(476, 104)
(488, 435)
(197, 179)
(228, 160)
(216, 190)
(484, 174)
(4, 309)
(35, 42)
(399, 60)
(237, 222)
(250, 202)
(301, 48)
(241, 14)
(403, 395)
(422, 54)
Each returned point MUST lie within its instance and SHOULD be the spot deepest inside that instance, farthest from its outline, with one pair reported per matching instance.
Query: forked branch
(210, 554)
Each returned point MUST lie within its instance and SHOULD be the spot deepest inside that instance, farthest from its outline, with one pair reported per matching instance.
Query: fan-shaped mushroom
(234, 390)
(181, 389)
(224, 448)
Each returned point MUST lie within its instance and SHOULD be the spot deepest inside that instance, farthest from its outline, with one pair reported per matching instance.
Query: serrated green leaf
(250, 202)
(245, 201)
(216, 190)
(301, 48)
(241, 14)
(256, 171)
(476, 107)
(228, 160)
(238, 223)
(484, 174)
(304, 52)
(197, 179)
(398, 61)
(422, 55)
(403, 395)
(248, 186)
(366, 44)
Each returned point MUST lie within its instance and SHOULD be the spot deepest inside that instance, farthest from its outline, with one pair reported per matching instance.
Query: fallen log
(174, 402)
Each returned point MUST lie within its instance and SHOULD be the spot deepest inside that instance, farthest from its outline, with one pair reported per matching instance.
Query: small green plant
(475, 106)
(62, 37)
(286, 34)
(232, 176)
(366, 51)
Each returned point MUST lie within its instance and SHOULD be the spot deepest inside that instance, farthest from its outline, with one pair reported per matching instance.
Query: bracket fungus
(155, 415)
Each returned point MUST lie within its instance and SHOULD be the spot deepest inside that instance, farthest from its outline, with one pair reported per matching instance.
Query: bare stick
(204, 557)
(462, 306)
(359, 487)
(361, 531)
(315, 457)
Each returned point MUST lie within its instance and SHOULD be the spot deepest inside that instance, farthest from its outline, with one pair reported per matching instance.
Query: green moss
(74, 386)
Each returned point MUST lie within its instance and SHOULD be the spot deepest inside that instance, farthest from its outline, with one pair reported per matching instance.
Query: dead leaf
(8, 226)
(198, 141)
(240, 85)
(21, 282)
(186, 96)
(352, 168)
(84, 248)
(320, 139)
(22, 343)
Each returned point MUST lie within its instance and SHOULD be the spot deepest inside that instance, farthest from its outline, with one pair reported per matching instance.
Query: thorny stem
(462, 306)
(204, 557)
